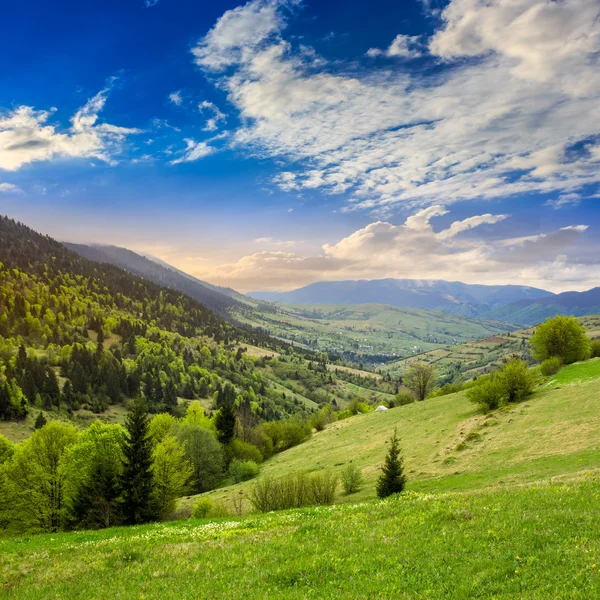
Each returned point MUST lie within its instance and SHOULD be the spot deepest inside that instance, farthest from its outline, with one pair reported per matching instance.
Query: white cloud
(176, 98)
(25, 136)
(402, 46)
(416, 250)
(217, 115)
(269, 241)
(10, 188)
(194, 151)
(564, 200)
(516, 100)
(150, 3)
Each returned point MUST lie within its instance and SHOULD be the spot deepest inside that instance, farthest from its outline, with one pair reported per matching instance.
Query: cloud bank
(417, 250)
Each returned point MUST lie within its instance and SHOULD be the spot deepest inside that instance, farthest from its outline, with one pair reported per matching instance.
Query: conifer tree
(225, 419)
(137, 474)
(40, 421)
(392, 479)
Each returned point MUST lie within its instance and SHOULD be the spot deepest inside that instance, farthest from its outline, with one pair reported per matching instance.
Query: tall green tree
(171, 473)
(137, 466)
(560, 336)
(420, 379)
(36, 478)
(392, 479)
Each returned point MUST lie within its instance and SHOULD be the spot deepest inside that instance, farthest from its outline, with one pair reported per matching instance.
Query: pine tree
(40, 421)
(5, 404)
(225, 419)
(392, 479)
(137, 474)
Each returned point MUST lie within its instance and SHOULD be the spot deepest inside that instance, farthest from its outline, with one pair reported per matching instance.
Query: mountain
(451, 297)
(218, 299)
(530, 312)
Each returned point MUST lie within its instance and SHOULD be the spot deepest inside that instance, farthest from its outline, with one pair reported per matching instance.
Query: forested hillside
(214, 298)
(76, 333)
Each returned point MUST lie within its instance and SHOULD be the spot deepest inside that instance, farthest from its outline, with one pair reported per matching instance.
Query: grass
(553, 434)
(533, 542)
(577, 373)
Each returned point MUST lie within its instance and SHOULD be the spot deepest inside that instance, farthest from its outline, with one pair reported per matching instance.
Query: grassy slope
(538, 542)
(369, 328)
(554, 433)
(480, 354)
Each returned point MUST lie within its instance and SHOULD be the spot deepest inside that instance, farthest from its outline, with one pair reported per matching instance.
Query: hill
(450, 446)
(78, 335)
(485, 516)
(529, 312)
(472, 358)
(452, 297)
(215, 298)
(368, 334)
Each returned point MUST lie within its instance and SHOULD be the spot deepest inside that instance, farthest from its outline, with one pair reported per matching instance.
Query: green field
(515, 542)
(450, 446)
(479, 356)
(367, 332)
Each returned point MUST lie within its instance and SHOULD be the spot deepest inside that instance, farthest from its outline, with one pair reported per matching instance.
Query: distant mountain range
(530, 312)
(451, 297)
(510, 303)
(217, 298)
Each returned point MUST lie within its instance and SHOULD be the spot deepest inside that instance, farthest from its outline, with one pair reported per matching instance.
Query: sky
(271, 144)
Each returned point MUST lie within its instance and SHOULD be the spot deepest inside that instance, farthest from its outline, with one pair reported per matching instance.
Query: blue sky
(275, 143)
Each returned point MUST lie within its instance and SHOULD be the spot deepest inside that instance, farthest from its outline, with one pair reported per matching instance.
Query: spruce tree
(40, 421)
(392, 479)
(137, 474)
(225, 419)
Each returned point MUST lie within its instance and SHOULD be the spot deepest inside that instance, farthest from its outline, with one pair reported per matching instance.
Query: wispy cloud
(10, 188)
(194, 151)
(513, 110)
(26, 136)
(402, 46)
(176, 98)
(150, 3)
(216, 115)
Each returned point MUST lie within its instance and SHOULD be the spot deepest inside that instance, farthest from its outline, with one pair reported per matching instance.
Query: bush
(352, 479)
(243, 470)
(550, 366)
(245, 451)
(448, 388)
(323, 487)
(595, 348)
(286, 434)
(404, 398)
(202, 509)
(293, 491)
(512, 383)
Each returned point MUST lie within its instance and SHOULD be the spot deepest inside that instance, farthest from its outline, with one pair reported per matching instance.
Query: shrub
(486, 392)
(448, 388)
(352, 479)
(560, 336)
(550, 366)
(202, 508)
(293, 491)
(512, 383)
(245, 451)
(595, 348)
(404, 398)
(286, 434)
(323, 487)
(517, 381)
(243, 470)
